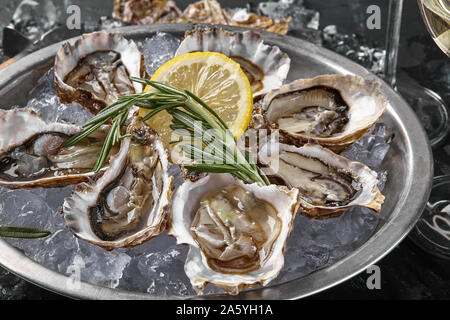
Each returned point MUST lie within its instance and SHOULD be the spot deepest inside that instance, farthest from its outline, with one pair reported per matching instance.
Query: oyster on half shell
(126, 206)
(328, 183)
(265, 66)
(204, 11)
(332, 110)
(243, 18)
(96, 70)
(236, 232)
(146, 11)
(32, 152)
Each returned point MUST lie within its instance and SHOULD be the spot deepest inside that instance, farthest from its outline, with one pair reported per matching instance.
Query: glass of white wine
(428, 105)
(436, 15)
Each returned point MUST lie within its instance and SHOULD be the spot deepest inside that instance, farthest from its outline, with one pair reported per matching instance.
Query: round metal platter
(409, 164)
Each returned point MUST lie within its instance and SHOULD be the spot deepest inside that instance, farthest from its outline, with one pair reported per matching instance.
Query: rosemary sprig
(16, 232)
(216, 146)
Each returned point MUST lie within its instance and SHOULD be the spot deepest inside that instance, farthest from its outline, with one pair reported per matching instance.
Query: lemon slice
(214, 78)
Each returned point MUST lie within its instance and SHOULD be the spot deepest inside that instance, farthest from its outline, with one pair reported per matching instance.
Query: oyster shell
(266, 66)
(328, 183)
(95, 70)
(332, 110)
(204, 11)
(210, 11)
(236, 232)
(243, 18)
(146, 11)
(32, 152)
(127, 204)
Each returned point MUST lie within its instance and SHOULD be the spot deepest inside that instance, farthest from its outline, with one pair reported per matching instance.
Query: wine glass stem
(392, 40)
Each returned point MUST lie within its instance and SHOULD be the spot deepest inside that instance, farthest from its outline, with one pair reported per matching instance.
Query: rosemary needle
(17, 232)
(218, 150)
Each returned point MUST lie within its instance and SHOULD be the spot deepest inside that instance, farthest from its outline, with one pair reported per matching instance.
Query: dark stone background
(407, 272)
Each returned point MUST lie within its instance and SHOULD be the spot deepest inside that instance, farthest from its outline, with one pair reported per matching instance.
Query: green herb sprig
(190, 115)
(17, 232)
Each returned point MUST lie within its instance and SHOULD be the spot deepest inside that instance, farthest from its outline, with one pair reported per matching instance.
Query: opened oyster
(328, 183)
(236, 232)
(146, 11)
(204, 11)
(210, 11)
(265, 66)
(332, 110)
(127, 204)
(32, 152)
(96, 70)
(243, 18)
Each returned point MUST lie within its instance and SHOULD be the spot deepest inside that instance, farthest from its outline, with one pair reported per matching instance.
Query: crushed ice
(44, 101)
(157, 50)
(157, 266)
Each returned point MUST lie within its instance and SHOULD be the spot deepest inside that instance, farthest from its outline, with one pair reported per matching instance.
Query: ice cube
(280, 9)
(382, 179)
(34, 18)
(272, 9)
(44, 101)
(157, 50)
(329, 32)
(98, 266)
(158, 268)
(314, 244)
(354, 47)
(317, 256)
(301, 17)
(108, 23)
(372, 148)
(304, 22)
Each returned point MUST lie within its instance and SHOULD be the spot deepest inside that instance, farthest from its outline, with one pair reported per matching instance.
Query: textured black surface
(407, 272)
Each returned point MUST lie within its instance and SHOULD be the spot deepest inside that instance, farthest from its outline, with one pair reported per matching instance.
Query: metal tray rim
(413, 198)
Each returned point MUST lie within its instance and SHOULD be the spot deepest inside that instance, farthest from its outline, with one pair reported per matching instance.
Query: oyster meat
(265, 66)
(328, 183)
(127, 204)
(332, 110)
(95, 70)
(32, 152)
(236, 232)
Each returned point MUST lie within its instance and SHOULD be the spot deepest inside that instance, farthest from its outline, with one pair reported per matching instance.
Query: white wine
(436, 14)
